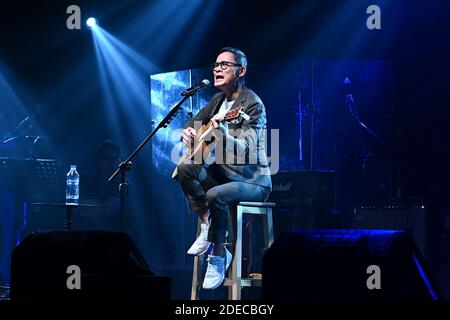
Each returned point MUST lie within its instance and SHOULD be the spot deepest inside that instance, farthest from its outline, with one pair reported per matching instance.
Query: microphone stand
(365, 158)
(350, 104)
(7, 138)
(126, 165)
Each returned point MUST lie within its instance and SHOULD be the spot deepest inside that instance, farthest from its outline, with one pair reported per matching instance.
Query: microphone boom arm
(163, 123)
(351, 105)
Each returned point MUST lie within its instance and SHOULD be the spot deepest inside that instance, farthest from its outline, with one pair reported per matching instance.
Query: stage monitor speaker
(346, 264)
(110, 266)
(411, 219)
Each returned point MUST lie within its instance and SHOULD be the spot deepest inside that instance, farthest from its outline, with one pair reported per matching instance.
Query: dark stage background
(80, 88)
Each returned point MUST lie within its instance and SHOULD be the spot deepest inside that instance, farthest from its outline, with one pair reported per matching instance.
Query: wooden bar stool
(234, 281)
(197, 277)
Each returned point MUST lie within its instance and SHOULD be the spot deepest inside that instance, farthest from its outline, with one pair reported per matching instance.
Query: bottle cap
(73, 166)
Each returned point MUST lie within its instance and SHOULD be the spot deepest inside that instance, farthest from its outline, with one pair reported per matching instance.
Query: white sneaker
(201, 244)
(215, 272)
(229, 257)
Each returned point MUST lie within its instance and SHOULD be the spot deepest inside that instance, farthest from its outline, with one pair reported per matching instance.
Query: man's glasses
(225, 64)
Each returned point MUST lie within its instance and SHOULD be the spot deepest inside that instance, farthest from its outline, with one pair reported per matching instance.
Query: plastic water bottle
(73, 186)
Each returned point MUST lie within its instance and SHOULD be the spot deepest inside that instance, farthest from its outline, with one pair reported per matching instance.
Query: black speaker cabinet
(305, 199)
(110, 266)
(346, 264)
(304, 189)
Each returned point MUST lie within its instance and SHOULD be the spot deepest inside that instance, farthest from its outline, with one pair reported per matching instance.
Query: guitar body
(201, 150)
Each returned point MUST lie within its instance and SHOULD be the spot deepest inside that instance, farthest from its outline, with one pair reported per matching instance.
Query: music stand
(41, 178)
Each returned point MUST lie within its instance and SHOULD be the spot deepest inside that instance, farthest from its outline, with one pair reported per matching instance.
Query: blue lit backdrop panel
(166, 91)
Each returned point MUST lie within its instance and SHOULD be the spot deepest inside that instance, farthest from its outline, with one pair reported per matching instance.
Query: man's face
(226, 77)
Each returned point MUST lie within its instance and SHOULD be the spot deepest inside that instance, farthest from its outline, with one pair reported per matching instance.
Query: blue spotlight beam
(125, 78)
(123, 73)
(138, 59)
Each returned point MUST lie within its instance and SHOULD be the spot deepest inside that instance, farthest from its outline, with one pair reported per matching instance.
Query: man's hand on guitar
(188, 136)
(218, 123)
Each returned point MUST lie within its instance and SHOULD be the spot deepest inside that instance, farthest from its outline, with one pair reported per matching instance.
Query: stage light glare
(91, 22)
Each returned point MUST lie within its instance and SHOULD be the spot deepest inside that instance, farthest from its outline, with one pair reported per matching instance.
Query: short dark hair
(238, 54)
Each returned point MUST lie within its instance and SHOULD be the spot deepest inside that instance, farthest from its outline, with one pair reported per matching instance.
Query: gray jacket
(245, 149)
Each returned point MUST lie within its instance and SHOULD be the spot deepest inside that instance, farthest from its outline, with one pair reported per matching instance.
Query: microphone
(190, 91)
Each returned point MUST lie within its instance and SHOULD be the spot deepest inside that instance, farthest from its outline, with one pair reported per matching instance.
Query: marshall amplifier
(310, 190)
(305, 200)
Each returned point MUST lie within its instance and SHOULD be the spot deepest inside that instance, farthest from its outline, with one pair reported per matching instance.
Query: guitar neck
(209, 126)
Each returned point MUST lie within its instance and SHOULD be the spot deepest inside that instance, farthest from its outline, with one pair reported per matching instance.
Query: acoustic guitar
(202, 147)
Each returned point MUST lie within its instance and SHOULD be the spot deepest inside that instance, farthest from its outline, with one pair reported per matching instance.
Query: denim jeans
(206, 189)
